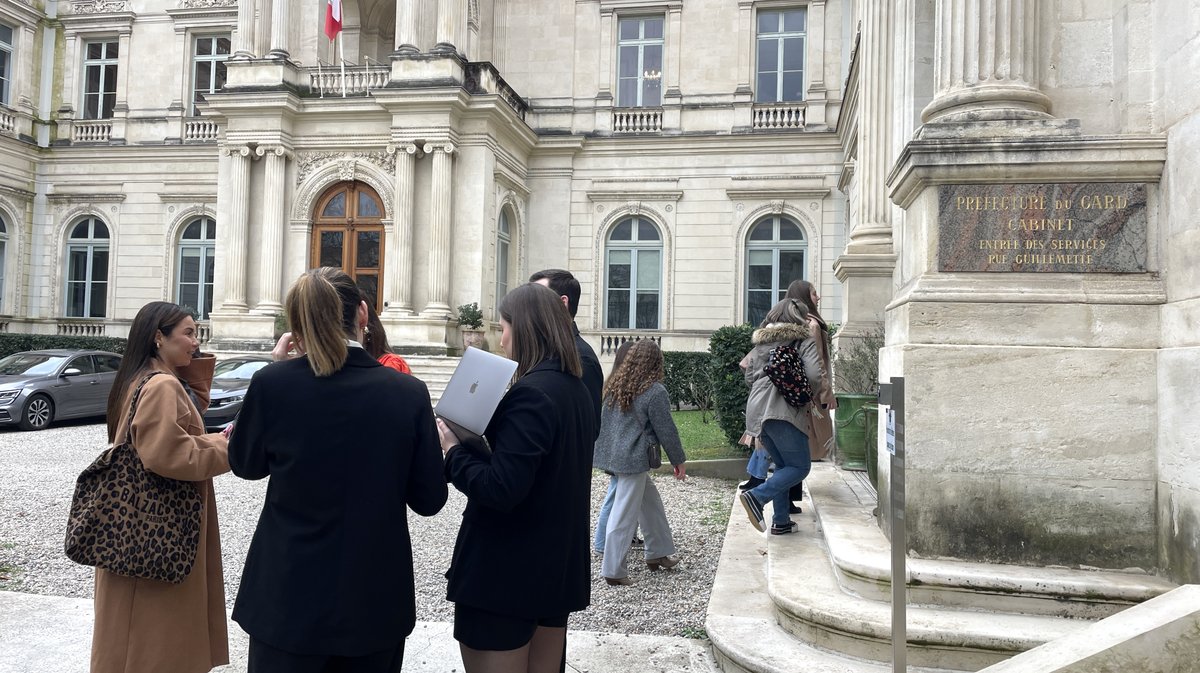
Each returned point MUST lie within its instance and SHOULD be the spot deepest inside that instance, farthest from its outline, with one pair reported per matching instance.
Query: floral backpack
(786, 371)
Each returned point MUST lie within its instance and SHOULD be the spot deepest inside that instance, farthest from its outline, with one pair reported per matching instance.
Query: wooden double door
(348, 235)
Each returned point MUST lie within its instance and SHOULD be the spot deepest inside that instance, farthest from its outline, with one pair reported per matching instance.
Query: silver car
(38, 387)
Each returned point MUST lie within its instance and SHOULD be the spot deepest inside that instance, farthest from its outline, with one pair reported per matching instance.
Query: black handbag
(653, 448)
(786, 371)
(130, 521)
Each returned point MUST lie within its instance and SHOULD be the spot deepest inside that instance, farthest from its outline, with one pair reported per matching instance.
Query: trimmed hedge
(15, 343)
(727, 347)
(688, 380)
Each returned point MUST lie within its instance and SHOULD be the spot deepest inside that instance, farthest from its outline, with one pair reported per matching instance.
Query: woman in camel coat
(148, 626)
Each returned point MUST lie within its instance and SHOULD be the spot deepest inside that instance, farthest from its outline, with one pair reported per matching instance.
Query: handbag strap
(137, 394)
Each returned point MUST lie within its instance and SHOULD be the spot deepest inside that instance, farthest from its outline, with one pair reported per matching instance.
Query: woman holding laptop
(521, 563)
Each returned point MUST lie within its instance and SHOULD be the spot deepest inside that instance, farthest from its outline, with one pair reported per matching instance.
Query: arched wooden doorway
(348, 234)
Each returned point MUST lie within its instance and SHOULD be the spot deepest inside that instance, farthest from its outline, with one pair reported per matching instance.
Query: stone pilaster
(815, 113)
(243, 47)
(279, 30)
(451, 20)
(397, 284)
(270, 262)
(238, 225)
(441, 199)
(986, 62)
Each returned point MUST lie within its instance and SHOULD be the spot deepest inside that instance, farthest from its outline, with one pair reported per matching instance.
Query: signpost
(892, 395)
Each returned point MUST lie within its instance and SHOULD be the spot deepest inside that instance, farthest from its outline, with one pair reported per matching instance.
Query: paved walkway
(51, 634)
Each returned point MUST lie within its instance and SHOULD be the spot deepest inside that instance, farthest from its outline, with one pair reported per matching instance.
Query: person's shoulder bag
(130, 521)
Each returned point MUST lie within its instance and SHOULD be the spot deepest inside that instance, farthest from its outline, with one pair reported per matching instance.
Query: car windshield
(238, 369)
(30, 364)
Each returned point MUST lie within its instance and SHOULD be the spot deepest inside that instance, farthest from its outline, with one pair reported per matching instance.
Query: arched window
(87, 269)
(774, 258)
(3, 257)
(194, 278)
(503, 245)
(633, 275)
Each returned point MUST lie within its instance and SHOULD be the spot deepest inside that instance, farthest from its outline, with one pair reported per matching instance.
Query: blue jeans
(789, 449)
(759, 461)
(602, 522)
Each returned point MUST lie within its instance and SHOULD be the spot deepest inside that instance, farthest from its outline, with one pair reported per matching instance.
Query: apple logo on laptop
(473, 387)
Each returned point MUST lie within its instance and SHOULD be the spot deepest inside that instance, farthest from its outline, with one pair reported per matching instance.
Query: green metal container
(851, 427)
(872, 413)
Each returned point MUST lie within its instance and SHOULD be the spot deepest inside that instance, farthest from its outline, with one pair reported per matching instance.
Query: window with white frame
(87, 269)
(503, 244)
(196, 265)
(99, 79)
(208, 67)
(633, 260)
(6, 63)
(775, 254)
(640, 61)
(780, 52)
(3, 257)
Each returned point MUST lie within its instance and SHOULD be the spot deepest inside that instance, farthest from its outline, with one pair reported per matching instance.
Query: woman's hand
(446, 435)
(680, 471)
(286, 348)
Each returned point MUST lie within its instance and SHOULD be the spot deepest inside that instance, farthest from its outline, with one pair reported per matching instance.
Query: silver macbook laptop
(475, 390)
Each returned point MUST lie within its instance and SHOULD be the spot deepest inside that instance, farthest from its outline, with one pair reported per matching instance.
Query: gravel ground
(39, 470)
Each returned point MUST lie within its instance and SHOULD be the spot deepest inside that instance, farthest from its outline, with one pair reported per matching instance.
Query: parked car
(230, 381)
(40, 387)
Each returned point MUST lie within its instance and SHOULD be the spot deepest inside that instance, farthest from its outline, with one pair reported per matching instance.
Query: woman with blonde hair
(635, 416)
(350, 446)
(143, 624)
(521, 563)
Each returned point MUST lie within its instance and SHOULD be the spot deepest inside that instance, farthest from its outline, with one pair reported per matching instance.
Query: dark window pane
(99, 264)
(647, 231)
(95, 50)
(788, 231)
(331, 249)
(83, 364)
(367, 206)
(652, 61)
(99, 300)
(208, 293)
(193, 230)
(618, 309)
(110, 78)
(189, 296)
(110, 50)
(75, 299)
(759, 278)
(6, 34)
(91, 83)
(622, 232)
(766, 91)
(768, 55)
(647, 310)
(762, 231)
(219, 79)
(502, 227)
(222, 45)
(618, 275)
(627, 65)
(99, 230)
(107, 105)
(3, 226)
(793, 86)
(77, 264)
(793, 21)
(366, 250)
(757, 305)
(336, 206)
(203, 75)
(107, 363)
(209, 266)
(791, 267)
(629, 29)
(768, 22)
(653, 29)
(627, 93)
(369, 284)
(204, 46)
(81, 230)
(652, 93)
(793, 53)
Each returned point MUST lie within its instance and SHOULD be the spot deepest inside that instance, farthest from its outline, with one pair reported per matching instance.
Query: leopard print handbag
(130, 521)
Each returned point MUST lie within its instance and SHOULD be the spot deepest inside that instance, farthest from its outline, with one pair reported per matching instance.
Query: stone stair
(434, 370)
(819, 599)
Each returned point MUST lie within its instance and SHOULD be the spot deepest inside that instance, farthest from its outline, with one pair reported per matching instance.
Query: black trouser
(267, 659)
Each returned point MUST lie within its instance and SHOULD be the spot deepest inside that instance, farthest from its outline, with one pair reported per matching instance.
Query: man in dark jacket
(567, 288)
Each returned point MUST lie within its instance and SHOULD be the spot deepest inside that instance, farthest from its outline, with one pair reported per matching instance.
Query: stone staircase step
(434, 370)
(861, 555)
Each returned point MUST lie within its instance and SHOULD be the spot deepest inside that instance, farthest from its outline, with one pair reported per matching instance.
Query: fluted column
(406, 27)
(262, 27)
(397, 283)
(986, 62)
(441, 198)
(451, 18)
(235, 253)
(243, 47)
(279, 30)
(874, 227)
(270, 261)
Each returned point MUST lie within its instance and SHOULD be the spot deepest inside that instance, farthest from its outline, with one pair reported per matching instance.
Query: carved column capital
(445, 147)
(277, 150)
(236, 150)
(406, 147)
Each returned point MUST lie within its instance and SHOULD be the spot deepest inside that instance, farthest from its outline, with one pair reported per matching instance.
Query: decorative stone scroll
(307, 162)
(1048, 228)
(206, 4)
(99, 6)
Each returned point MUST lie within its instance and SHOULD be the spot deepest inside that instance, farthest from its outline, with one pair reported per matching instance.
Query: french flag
(333, 18)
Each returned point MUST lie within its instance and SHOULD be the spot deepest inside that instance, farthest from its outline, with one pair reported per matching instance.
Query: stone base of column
(233, 331)
(432, 68)
(998, 129)
(988, 103)
(867, 288)
(268, 308)
(279, 55)
(265, 73)
(421, 335)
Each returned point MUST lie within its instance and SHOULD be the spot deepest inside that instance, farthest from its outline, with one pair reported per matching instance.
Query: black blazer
(330, 567)
(593, 375)
(522, 549)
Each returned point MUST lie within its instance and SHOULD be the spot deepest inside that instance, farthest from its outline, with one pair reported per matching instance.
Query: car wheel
(39, 411)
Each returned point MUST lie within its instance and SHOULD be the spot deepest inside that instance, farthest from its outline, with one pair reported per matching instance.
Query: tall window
(87, 269)
(774, 258)
(781, 36)
(3, 257)
(194, 285)
(208, 67)
(503, 243)
(99, 79)
(633, 276)
(6, 66)
(640, 62)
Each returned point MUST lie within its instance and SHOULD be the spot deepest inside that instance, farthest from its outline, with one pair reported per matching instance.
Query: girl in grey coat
(635, 414)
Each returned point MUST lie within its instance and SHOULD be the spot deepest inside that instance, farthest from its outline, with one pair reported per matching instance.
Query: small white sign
(891, 431)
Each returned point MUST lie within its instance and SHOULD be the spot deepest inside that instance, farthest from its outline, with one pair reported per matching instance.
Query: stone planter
(474, 338)
(852, 423)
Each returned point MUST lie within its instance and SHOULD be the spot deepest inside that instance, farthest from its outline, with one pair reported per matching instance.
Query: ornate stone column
(235, 253)
(279, 30)
(243, 47)
(270, 262)
(397, 284)
(406, 28)
(440, 229)
(450, 24)
(986, 60)
(262, 26)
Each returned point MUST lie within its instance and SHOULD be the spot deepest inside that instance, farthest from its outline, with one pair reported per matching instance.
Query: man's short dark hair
(562, 282)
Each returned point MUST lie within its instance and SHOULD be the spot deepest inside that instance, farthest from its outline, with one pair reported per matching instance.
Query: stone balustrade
(637, 120)
(779, 116)
(98, 131)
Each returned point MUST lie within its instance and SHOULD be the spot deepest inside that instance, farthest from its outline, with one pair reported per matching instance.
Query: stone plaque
(1059, 228)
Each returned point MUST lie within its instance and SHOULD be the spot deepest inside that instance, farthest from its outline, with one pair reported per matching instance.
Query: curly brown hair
(643, 366)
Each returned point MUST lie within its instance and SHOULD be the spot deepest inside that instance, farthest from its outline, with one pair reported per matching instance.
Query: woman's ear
(362, 315)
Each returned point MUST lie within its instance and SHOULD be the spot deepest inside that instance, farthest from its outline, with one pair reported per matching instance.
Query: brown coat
(146, 626)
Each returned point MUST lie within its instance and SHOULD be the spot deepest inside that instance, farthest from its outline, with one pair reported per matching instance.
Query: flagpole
(342, 58)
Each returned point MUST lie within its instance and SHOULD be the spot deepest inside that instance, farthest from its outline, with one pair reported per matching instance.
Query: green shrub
(15, 343)
(470, 316)
(856, 364)
(688, 380)
(727, 347)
